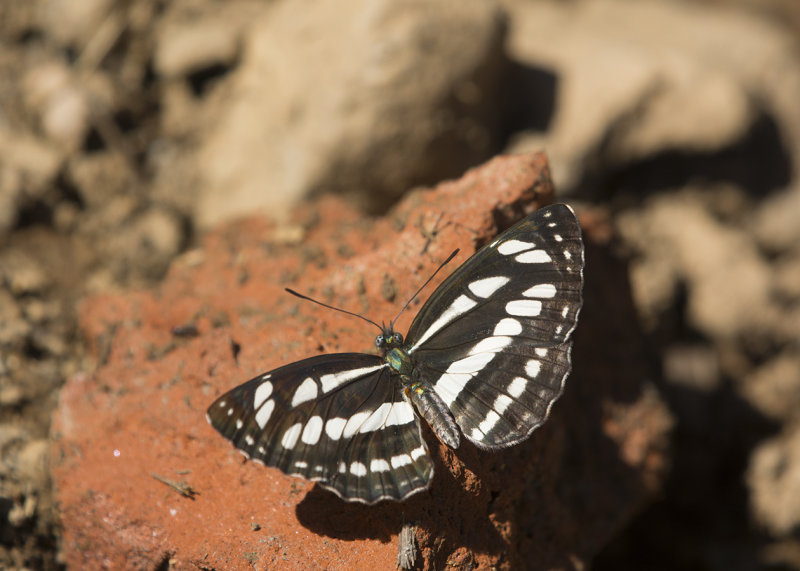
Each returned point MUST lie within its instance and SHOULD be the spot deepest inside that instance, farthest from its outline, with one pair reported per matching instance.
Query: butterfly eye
(379, 340)
(397, 338)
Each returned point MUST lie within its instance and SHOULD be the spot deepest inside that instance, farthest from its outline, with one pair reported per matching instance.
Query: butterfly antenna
(301, 296)
(433, 275)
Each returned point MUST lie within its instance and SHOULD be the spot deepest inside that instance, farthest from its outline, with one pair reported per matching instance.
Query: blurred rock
(365, 98)
(38, 311)
(58, 102)
(158, 236)
(777, 221)
(22, 512)
(73, 23)
(774, 388)
(48, 342)
(774, 482)
(727, 281)
(31, 461)
(694, 367)
(14, 329)
(98, 177)
(786, 281)
(186, 47)
(10, 436)
(637, 80)
(10, 198)
(28, 168)
(10, 395)
(21, 273)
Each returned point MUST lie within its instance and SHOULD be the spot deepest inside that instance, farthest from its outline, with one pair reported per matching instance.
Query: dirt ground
(128, 130)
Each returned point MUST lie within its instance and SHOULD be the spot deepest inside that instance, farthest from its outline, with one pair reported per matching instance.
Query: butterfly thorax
(400, 361)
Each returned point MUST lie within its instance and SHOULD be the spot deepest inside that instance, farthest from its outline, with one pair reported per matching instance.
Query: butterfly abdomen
(430, 407)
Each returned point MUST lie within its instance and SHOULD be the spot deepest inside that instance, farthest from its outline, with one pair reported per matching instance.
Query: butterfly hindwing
(336, 419)
(494, 338)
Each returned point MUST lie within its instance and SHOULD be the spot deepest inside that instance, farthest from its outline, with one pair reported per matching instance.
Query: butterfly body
(485, 358)
(426, 402)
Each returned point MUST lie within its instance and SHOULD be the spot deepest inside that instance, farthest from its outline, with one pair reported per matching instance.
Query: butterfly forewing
(336, 419)
(494, 337)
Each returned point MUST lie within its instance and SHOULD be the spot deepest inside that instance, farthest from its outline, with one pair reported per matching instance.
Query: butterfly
(485, 358)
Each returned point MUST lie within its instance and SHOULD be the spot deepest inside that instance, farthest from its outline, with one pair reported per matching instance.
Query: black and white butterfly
(485, 358)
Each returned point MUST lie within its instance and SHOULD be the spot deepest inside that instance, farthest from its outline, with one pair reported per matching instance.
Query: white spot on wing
(501, 403)
(486, 425)
(376, 420)
(540, 352)
(334, 380)
(358, 469)
(334, 427)
(239, 423)
(305, 392)
(517, 387)
(301, 464)
(263, 414)
(312, 431)
(508, 326)
(545, 291)
(388, 414)
(378, 465)
(460, 305)
(532, 367)
(417, 452)
(565, 311)
(290, 436)
(458, 374)
(400, 460)
(263, 392)
(471, 364)
(513, 246)
(491, 345)
(534, 257)
(487, 286)
(400, 413)
(354, 423)
(524, 307)
(249, 440)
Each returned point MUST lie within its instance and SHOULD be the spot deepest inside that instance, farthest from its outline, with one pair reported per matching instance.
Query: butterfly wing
(339, 420)
(493, 340)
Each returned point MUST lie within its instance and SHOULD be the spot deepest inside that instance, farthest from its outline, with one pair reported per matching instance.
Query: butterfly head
(388, 339)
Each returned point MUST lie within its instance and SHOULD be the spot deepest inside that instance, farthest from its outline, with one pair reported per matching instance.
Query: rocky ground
(134, 137)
